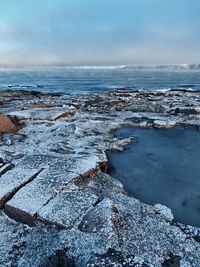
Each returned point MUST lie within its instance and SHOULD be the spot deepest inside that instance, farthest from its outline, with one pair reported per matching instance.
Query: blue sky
(100, 32)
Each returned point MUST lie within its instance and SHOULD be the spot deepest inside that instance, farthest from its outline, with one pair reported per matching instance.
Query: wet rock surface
(60, 208)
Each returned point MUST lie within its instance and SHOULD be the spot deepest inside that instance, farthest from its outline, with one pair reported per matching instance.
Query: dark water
(162, 166)
(73, 81)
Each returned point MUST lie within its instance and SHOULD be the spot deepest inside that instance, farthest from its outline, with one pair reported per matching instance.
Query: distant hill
(165, 67)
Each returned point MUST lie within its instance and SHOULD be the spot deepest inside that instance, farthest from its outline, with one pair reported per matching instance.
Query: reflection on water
(162, 166)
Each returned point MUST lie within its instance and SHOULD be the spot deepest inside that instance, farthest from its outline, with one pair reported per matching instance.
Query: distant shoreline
(187, 66)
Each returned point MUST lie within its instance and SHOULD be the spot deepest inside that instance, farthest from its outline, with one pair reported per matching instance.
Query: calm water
(72, 81)
(162, 166)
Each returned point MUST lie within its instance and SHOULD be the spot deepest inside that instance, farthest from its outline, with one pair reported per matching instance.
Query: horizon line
(98, 65)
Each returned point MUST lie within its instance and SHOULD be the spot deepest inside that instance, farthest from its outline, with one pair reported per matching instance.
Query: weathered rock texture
(58, 205)
(6, 125)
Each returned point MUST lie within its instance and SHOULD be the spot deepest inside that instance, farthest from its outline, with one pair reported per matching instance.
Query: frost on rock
(100, 218)
(52, 178)
(164, 211)
(31, 198)
(164, 124)
(67, 208)
(15, 179)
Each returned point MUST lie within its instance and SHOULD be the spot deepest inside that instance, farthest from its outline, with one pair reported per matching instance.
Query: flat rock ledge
(59, 207)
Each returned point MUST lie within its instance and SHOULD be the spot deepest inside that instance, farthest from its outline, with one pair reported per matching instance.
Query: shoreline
(59, 157)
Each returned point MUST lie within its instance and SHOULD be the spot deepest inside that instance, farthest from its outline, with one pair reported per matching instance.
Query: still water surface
(162, 166)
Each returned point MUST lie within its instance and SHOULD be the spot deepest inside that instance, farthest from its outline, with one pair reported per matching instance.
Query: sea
(91, 79)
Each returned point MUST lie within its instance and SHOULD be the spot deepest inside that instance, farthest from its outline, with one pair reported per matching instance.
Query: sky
(99, 32)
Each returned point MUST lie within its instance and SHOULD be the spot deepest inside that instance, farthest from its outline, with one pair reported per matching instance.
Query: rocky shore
(59, 207)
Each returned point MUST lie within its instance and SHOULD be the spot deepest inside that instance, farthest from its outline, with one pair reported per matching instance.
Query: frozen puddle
(162, 166)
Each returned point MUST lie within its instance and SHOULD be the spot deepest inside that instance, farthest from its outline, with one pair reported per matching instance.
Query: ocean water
(87, 80)
(162, 166)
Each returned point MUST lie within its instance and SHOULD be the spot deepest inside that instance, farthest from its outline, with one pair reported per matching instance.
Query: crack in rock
(6, 167)
(11, 193)
(99, 224)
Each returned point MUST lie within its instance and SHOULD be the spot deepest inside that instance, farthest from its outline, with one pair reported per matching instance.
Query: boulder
(164, 124)
(6, 125)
